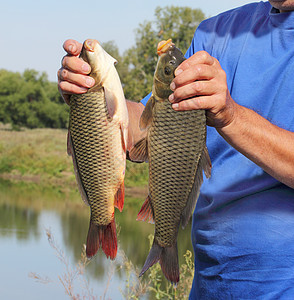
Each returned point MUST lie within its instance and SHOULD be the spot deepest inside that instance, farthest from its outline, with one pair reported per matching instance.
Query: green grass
(37, 153)
(41, 155)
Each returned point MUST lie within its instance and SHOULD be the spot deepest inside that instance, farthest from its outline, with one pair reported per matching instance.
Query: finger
(74, 78)
(197, 88)
(200, 57)
(67, 88)
(195, 72)
(194, 103)
(72, 47)
(75, 65)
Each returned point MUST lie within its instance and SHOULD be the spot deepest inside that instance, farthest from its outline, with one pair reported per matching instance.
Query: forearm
(135, 110)
(267, 145)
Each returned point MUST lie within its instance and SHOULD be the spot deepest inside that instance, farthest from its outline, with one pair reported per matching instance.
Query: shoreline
(131, 191)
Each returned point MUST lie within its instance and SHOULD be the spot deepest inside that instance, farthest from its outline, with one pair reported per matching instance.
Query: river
(32, 267)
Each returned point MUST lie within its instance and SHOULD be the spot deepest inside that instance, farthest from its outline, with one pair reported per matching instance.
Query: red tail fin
(119, 198)
(104, 237)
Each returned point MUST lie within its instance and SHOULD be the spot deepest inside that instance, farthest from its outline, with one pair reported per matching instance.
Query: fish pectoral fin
(146, 211)
(119, 197)
(71, 151)
(124, 138)
(111, 102)
(146, 117)
(203, 165)
(139, 152)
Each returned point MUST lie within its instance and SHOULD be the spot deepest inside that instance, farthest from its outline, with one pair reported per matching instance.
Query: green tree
(177, 23)
(30, 100)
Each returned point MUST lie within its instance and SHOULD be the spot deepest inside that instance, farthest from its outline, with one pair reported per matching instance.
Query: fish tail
(103, 236)
(168, 259)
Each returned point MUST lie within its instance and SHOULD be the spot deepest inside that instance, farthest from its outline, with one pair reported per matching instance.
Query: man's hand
(201, 83)
(73, 75)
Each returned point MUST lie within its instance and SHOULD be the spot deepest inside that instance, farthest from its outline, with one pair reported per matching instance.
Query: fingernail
(175, 106)
(72, 48)
(172, 86)
(178, 72)
(90, 81)
(84, 90)
(171, 97)
(86, 68)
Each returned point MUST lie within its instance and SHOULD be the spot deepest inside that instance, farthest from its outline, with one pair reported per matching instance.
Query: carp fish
(175, 148)
(97, 142)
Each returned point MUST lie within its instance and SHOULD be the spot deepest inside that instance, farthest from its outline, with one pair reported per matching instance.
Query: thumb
(72, 47)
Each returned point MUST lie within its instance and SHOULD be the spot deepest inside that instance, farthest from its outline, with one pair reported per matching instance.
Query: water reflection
(18, 221)
(22, 210)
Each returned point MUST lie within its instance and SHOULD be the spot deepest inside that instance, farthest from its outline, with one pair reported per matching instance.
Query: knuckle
(198, 69)
(59, 75)
(183, 105)
(176, 95)
(63, 74)
(200, 102)
(204, 55)
(197, 87)
(62, 86)
(64, 61)
(222, 74)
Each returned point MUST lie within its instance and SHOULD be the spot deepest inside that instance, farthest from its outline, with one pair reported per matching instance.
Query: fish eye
(167, 71)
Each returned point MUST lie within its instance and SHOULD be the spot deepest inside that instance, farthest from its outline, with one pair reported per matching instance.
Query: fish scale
(176, 152)
(97, 139)
(172, 171)
(92, 141)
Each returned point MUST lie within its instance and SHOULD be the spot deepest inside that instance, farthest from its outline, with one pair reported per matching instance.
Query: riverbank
(40, 156)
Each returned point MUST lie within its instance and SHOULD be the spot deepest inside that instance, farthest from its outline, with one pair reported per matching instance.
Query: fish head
(99, 60)
(170, 57)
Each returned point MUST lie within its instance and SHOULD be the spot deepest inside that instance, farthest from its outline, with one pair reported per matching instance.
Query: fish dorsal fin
(139, 152)
(146, 212)
(146, 117)
(70, 151)
(203, 165)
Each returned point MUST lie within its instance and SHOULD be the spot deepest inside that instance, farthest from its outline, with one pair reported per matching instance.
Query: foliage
(154, 287)
(30, 100)
(70, 275)
(37, 153)
(41, 155)
(177, 23)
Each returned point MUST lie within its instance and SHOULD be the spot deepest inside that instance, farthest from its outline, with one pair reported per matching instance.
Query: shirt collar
(282, 20)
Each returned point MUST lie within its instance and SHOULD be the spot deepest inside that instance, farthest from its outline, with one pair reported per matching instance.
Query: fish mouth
(164, 46)
(89, 45)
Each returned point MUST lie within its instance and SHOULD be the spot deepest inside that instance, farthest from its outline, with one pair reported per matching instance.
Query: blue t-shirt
(243, 224)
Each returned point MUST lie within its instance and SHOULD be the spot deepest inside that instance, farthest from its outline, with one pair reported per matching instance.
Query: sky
(32, 32)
